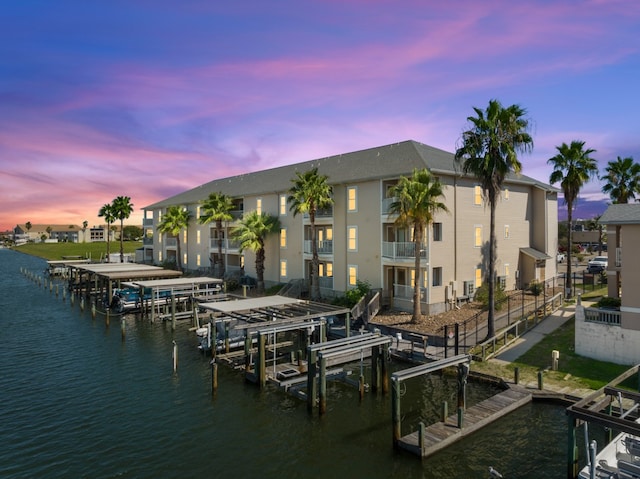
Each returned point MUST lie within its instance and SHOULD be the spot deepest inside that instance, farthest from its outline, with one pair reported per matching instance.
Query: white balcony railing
(325, 282)
(401, 249)
(604, 316)
(171, 242)
(324, 247)
(321, 213)
(406, 292)
(386, 205)
(227, 244)
(147, 223)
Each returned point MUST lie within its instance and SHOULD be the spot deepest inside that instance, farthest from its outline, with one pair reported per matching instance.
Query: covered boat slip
(62, 267)
(97, 279)
(617, 408)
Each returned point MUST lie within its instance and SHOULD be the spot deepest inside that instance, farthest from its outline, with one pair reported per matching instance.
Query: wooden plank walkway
(442, 434)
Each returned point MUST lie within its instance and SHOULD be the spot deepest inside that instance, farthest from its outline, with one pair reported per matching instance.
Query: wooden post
(173, 312)
(175, 357)
(540, 381)
(347, 325)
(384, 368)
(214, 377)
(395, 411)
(247, 351)
(227, 345)
(457, 340)
(445, 411)
(446, 340)
(311, 379)
(460, 417)
(421, 433)
(375, 362)
(323, 386)
(572, 449)
(516, 375)
(361, 387)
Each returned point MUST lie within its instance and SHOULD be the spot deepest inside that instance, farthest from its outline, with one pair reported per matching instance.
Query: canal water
(78, 401)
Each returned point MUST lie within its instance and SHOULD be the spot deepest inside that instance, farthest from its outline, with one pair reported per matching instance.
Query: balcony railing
(324, 247)
(147, 223)
(386, 205)
(603, 316)
(171, 242)
(403, 250)
(227, 244)
(406, 292)
(325, 282)
(321, 213)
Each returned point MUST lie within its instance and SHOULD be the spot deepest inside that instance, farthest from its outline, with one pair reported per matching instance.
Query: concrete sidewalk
(535, 335)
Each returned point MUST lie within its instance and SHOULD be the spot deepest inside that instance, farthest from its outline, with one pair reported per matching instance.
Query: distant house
(63, 233)
(609, 334)
(358, 238)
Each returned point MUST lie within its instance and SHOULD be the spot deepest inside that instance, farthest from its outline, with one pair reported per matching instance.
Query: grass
(574, 371)
(94, 251)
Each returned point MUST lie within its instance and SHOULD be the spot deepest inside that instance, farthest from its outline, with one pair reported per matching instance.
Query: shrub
(482, 296)
(535, 288)
(609, 302)
(352, 296)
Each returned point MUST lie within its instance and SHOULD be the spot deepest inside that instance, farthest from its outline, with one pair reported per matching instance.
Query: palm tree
(572, 168)
(217, 207)
(251, 233)
(623, 180)
(175, 220)
(310, 192)
(28, 225)
(108, 213)
(594, 225)
(122, 209)
(489, 152)
(417, 200)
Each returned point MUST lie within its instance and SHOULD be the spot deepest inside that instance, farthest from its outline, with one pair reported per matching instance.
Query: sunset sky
(149, 98)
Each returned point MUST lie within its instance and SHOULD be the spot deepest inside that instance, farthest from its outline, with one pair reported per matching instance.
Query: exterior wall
(605, 342)
(630, 308)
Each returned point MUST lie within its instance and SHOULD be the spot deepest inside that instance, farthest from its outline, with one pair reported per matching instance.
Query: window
(477, 236)
(283, 238)
(329, 269)
(413, 278)
(329, 234)
(198, 236)
(477, 195)
(259, 206)
(506, 231)
(197, 212)
(321, 269)
(198, 260)
(506, 269)
(352, 203)
(352, 238)
(283, 205)
(353, 275)
(184, 236)
(283, 268)
(184, 259)
(437, 231)
(478, 278)
(436, 274)
(160, 256)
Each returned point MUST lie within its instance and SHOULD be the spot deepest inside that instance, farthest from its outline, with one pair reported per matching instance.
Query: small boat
(620, 459)
(128, 299)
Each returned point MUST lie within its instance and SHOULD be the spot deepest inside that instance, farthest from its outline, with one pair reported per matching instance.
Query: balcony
(404, 291)
(402, 250)
(386, 205)
(171, 242)
(227, 244)
(321, 213)
(325, 282)
(324, 247)
(147, 223)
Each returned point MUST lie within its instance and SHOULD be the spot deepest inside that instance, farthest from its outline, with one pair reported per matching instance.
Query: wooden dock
(442, 434)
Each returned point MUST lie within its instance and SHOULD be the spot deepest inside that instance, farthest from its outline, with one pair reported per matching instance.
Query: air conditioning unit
(469, 288)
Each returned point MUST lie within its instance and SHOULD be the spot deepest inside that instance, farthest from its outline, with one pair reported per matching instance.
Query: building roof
(535, 254)
(619, 214)
(394, 160)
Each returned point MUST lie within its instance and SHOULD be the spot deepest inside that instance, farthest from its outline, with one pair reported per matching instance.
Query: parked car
(598, 264)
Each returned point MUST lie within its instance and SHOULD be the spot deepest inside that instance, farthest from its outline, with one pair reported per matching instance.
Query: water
(77, 401)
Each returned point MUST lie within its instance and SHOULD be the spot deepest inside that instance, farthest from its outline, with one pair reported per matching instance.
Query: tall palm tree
(417, 200)
(594, 225)
(28, 225)
(108, 213)
(572, 168)
(623, 180)
(173, 222)
(217, 207)
(251, 233)
(310, 192)
(122, 209)
(489, 151)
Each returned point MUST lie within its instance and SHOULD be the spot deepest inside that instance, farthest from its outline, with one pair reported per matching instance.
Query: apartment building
(358, 239)
(610, 334)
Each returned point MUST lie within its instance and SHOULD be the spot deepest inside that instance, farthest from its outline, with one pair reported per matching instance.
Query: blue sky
(150, 98)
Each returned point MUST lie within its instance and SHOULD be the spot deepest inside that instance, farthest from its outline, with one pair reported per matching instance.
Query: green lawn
(94, 251)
